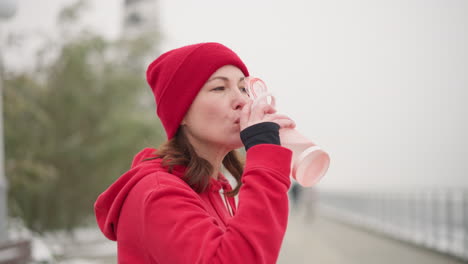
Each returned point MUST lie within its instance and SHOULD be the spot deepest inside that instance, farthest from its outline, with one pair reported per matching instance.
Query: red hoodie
(155, 217)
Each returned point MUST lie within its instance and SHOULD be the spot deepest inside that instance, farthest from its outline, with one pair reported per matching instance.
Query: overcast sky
(382, 86)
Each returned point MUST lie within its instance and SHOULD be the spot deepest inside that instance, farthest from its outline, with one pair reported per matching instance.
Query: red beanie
(176, 76)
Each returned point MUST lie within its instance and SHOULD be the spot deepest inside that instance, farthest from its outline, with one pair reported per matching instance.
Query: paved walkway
(321, 240)
(324, 240)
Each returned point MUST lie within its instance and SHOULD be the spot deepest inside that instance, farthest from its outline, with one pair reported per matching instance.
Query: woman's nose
(240, 100)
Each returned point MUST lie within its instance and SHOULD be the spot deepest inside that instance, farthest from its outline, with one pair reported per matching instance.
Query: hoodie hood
(107, 206)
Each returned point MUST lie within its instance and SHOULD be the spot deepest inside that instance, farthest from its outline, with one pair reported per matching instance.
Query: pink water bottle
(309, 162)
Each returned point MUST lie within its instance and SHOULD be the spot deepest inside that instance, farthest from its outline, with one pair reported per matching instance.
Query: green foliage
(72, 127)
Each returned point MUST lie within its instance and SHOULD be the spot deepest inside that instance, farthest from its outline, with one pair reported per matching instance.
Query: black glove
(261, 133)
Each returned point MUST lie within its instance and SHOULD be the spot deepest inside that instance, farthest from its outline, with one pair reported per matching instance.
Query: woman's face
(213, 117)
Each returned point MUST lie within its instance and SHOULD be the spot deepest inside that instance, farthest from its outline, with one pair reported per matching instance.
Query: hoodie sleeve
(177, 229)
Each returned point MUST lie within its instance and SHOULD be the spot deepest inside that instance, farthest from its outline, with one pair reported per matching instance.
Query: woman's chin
(234, 144)
(238, 146)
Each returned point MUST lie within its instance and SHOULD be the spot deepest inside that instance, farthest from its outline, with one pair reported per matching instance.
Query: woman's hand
(263, 112)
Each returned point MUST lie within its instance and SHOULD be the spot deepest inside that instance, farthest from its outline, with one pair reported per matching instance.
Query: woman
(174, 205)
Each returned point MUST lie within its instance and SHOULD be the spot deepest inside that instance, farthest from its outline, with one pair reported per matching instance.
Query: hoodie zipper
(216, 207)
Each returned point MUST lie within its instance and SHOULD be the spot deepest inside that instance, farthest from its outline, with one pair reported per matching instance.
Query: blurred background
(380, 85)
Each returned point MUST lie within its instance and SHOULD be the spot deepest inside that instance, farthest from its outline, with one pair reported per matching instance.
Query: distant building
(140, 17)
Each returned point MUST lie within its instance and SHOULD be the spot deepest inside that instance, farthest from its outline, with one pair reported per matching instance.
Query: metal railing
(436, 219)
(17, 252)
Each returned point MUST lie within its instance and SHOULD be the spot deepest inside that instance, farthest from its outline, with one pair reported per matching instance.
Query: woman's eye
(244, 90)
(220, 88)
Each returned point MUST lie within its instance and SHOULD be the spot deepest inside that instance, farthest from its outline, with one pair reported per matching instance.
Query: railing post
(465, 224)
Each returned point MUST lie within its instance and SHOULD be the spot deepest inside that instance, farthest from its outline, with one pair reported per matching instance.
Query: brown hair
(179, 151)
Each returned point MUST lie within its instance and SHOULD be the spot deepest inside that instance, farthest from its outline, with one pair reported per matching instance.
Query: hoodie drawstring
(231, 213)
